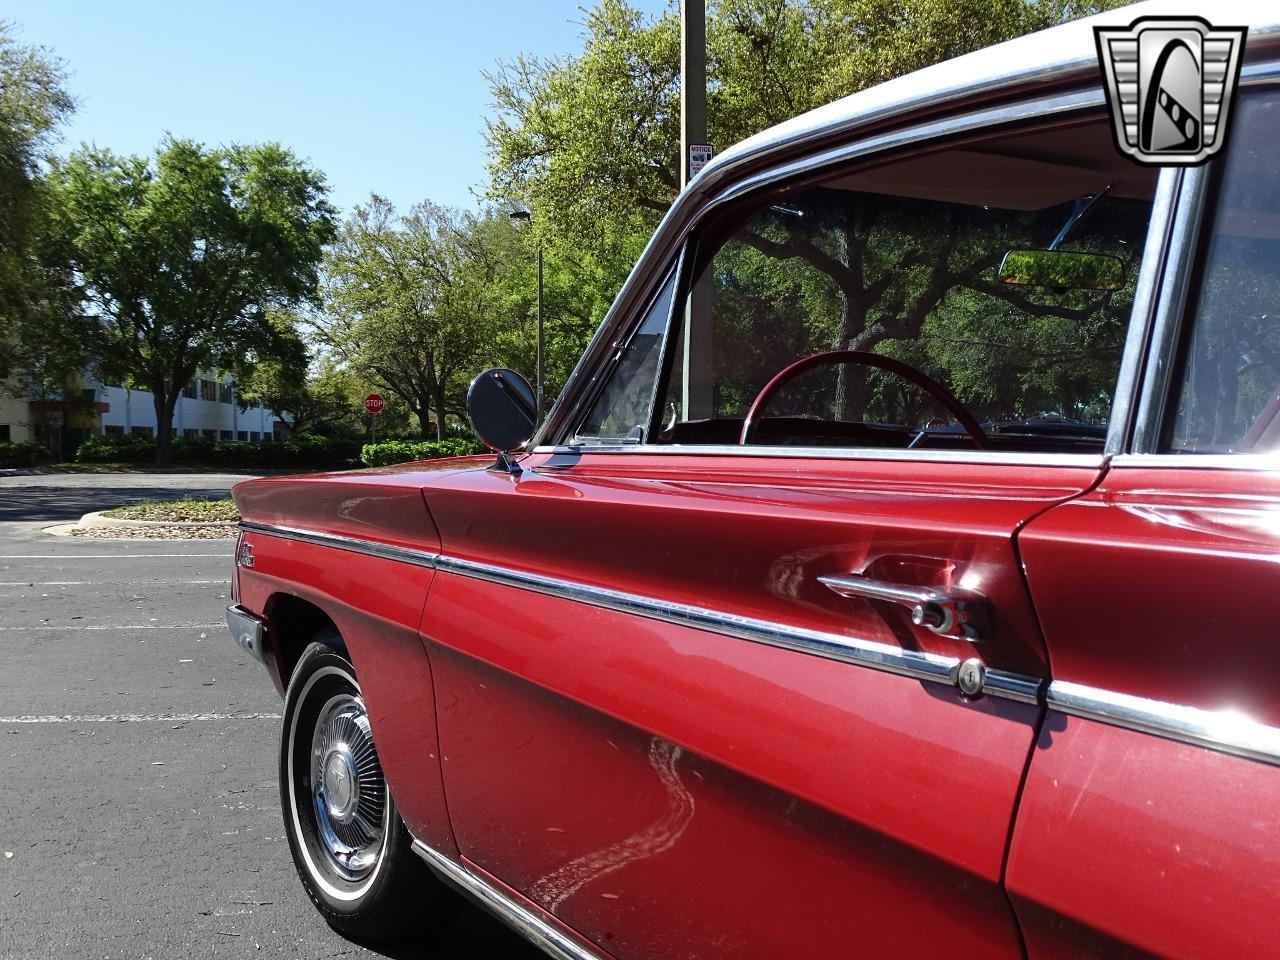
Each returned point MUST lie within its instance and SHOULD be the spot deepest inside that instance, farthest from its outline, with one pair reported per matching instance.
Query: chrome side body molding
(921, 666)
(555, 941)
(854, 650)
(1223, 730)
(1215, 730)
(370, 548)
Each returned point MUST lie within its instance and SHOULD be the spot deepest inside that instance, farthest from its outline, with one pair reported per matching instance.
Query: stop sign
(374, 403)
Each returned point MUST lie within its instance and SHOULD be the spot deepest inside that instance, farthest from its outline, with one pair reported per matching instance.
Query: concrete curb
(96, 519)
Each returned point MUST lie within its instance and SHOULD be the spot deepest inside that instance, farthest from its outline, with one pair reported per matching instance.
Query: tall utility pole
(693, 80)
(697, 398)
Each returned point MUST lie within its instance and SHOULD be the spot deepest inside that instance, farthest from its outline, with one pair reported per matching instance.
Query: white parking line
(102, 583)
(129, 626)
(108, 556)
(138, 718)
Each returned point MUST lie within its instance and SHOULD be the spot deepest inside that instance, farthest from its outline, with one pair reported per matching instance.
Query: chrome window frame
(1173, 318)
(574, 402)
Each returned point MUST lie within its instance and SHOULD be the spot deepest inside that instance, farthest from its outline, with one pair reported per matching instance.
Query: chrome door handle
(948, 613)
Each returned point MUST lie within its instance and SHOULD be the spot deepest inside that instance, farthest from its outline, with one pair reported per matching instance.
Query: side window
(935, 262)
(1227, 397)
(621, 410)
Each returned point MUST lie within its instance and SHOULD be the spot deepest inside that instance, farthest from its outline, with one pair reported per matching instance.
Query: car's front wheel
(350, 847)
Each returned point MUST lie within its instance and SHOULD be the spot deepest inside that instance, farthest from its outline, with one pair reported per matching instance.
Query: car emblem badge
(245, 557)
(1170, 83)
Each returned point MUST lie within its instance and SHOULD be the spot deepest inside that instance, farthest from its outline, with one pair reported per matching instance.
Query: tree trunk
(163, 405)
(439, 404)
(421, 407)
(851, 381)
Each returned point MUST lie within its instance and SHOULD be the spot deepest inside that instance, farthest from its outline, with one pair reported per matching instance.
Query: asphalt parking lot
(138, 747)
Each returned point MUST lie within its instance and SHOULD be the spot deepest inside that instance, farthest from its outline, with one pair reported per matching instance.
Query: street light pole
(524, 216)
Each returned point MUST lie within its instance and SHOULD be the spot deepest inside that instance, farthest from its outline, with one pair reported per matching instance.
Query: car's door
(1151, 814)
(683, 703)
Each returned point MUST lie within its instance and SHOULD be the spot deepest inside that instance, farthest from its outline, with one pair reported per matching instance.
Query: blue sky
(381, 96)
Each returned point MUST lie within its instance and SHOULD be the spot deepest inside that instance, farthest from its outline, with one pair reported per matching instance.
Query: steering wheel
(928, 384)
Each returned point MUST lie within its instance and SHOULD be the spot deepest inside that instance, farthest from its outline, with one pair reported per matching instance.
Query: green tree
(414, 302)
(279, 381)
(590, 143)
(182, 256)
(316, 396)
(34, 285)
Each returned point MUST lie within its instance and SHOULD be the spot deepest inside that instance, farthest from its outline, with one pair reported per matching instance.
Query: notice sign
(700, 155)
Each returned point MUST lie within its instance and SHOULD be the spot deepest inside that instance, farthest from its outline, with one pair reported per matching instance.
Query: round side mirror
(502, 408)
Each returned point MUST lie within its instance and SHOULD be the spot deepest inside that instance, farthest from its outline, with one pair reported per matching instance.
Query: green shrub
(116, 449)
(296, 452)
(404, 451)
(23, 454)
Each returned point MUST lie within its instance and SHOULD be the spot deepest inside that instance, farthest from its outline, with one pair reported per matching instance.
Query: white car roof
(1044, 56)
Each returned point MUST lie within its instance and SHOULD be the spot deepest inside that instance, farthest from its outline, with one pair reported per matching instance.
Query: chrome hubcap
(349, 793)
(342, 791)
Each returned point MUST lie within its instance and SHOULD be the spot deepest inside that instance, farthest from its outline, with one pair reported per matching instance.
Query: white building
(205, 409)
(14, 419)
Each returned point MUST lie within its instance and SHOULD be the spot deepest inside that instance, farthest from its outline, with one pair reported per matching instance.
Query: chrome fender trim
(832, 646)
(1221, 730)
(555, 940)
(370, 548)
(866, 653)
(1226, 731)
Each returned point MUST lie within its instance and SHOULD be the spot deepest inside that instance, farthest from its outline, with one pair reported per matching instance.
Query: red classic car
(897, 575)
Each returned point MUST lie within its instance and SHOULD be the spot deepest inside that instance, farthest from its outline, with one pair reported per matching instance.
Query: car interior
(888, 285)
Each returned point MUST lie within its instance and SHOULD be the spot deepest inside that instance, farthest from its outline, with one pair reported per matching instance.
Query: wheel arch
(293, 623)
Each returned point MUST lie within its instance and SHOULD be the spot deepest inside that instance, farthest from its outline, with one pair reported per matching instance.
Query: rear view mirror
(1062, 270)
(502, 408)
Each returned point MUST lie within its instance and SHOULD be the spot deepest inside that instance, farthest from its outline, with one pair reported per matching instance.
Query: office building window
(189, 391)
(113, 430)
(224, 435)
(143, 431)
(190, 434)
(225, 391)
(209, 434)
(242, 436)
(255, 436)
(4, 432)
(208, 390)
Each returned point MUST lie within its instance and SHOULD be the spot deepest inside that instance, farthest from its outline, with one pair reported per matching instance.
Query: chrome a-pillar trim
(1170, 310)
(1223, 730)
(832, 646)
(370, 548)
(1164, 209)
(555, 941)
